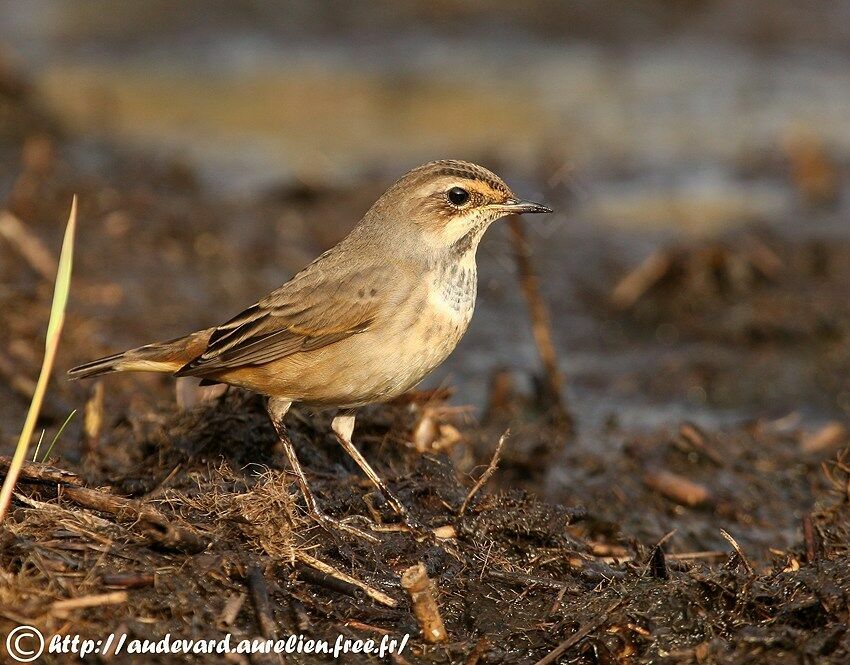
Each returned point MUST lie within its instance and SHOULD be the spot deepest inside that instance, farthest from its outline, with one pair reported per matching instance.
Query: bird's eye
(458, 196)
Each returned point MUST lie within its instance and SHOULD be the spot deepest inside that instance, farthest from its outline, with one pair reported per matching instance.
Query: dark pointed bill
(520, 206)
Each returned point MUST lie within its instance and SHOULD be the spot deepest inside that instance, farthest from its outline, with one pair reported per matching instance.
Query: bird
(363, 323)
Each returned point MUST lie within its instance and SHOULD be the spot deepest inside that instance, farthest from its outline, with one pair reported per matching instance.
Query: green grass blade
(54, 329)
(56, 438)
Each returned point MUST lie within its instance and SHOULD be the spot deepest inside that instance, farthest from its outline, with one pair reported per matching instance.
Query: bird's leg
(277, 409)
(343, 427)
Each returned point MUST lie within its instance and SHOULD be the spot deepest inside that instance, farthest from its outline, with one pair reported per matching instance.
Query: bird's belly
(388, 365)
(373, 366)
(382, 362)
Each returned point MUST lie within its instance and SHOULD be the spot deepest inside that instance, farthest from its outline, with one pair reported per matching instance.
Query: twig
(693, 439)
(28, 245)
(231, 610)
(477, 652)
(677, 488)
(529, 580)
(416, 582)
(155, 526)
(738, 550)
(129, 580)
(809, 537)
(445, 532)
(260, 600)
(633, 286)
(657, 564)
(540, 323)
(111, 598)
(488, 472)
(359, 625)
(44, 473)
(685, 556)
(93, 419)
(559, 598)
(579, 635)
(831, 435)
(327, 569)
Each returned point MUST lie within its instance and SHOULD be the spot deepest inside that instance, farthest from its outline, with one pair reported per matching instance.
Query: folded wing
(318, 307)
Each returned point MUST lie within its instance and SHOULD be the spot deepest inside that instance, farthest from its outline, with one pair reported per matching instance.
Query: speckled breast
(452, 301)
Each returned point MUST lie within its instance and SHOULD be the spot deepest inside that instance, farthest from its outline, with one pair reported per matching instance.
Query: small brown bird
(364, 322)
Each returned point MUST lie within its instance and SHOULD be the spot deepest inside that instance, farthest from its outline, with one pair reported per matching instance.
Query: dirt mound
(215, 537)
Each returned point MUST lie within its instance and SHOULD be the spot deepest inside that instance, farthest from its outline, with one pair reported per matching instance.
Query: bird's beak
(520, 206)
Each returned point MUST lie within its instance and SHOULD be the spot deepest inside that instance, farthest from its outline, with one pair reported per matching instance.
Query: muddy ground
(606, 548)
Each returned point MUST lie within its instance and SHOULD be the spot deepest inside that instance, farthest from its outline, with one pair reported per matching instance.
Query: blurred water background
(640, 122)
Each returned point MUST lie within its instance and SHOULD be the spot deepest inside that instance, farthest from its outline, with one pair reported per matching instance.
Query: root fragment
(418, 585)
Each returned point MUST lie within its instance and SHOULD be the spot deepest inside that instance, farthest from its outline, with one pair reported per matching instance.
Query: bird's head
(447, 205)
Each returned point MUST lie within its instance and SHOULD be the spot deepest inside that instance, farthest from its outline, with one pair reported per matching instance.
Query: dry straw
(54, 330)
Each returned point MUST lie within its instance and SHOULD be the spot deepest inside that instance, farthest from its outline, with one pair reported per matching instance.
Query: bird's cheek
(457, 228)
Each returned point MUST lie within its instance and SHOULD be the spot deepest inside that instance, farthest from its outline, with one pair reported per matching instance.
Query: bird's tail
(159, 357)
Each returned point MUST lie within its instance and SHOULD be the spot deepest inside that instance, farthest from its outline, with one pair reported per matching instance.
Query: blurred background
(699, 147)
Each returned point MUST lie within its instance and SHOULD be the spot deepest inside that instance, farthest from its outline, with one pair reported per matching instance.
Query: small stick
(477, 652)
(559, 598)
(809, 537)
(129, 580)
(541, 326)
(28, 245)
(302, 620)
(488, 472)
(633, 286)
(579, 635)
(359, 625)
(231, 609)
(831, 435)
(677, 488)
(44, 473)
(328, 581)
(445, 532)
(416, 582)
(112, 598)
(738, 550)
(153, 523)
(529, 580)
(260, 600)
(685, 556)
(657, 564)
(693, 437)
(327, 569)
(93, 419)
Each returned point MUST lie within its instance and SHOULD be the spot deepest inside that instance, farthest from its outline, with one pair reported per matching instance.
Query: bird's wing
(321, 305)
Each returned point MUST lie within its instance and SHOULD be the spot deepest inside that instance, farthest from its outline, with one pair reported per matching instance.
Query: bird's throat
(468, 242)
(456, 285)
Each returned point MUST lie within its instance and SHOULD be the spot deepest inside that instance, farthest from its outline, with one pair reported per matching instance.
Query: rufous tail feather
(160, 357)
